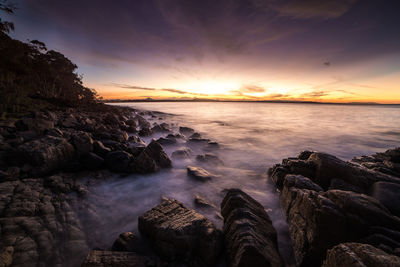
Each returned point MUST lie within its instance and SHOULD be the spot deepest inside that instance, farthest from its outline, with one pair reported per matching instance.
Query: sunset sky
(340, 51)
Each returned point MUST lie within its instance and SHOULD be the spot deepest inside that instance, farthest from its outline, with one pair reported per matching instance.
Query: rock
(250, 238)
(69, 121)
(166, 141)
(388, 194)
(119, 161)
(195, 135)
(200, 174)
(300, 182)
(100, 149)
(6, 256)
(186, 130)
(181, 234)
(127, 241)
(145, 132)
(92, 161)
(199, 140)
(160, 128)
(82, 142)
(38, 125)
(359, 255)
(11, 174)
(55, 132)
(143, 123)
(209, 158)
(47, 153)
(202, 202)
(99, 258)
(182, 153)
(144, 163)
(156, 152)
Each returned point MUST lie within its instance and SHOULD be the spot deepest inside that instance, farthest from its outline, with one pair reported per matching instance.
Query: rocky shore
(339, 213)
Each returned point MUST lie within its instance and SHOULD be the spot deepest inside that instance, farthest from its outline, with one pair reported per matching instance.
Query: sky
(306, 50)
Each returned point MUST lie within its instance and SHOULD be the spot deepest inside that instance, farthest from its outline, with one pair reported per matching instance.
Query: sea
(252, 137)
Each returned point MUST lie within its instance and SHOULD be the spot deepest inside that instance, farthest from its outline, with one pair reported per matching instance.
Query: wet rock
(11, 174)
(200, 174)
(250, 238)
(300, 182)
(166, 141)
(127, 241)
(186, 130)
(55, 132)
(202, 202)
(156, 152)
(145, 132)
(359, 255)
(182, 153)
(181, 234)
(199, 140)
(145, 164)
(143, 123)
(92, 161)
(6, 256)
(38, 125)
(100, 258)
(160, 128)
(195, 135)
(388, 194)
(119, 161)
(210, 159)
(47, 153)
(100, 149)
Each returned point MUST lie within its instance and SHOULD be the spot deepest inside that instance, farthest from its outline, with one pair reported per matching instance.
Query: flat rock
(250, 238)
(181, 234)
(200, 174)
(359, 255)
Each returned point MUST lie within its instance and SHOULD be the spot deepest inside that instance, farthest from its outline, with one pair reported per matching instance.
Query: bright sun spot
(213, 87)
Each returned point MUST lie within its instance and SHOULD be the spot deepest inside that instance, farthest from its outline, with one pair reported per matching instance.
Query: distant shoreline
(249, 101)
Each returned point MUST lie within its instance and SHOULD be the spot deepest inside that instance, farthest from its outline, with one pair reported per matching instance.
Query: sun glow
(213, 87)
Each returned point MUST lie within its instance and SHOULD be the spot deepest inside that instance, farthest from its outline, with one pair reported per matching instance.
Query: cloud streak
(141, 88)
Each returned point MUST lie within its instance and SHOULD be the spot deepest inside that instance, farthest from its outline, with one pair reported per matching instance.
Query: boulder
(92, 161)
(202, 202)
(100, 149)
(388, 194)
(82, 142)
(181, 234)
(200, 174)
(250, 238)
(6, 256)
(359, 255)
(119, 161)
(186, 130)
(166, 141)
(156, 152)
(145, 132)
(209, 158)
(300, 182)
(127, 241)
(38, 125)
(47, 153)
(182, 153)
(100, 258)
(143, 163)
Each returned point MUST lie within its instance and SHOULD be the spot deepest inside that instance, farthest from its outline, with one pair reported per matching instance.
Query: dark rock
(99, 258)
(127, 241)
(202, 202)
(181, 234)
(250, 238)
(82, 142)
(199, 140)
(277, 174)
(47, 153)
(6, 256)
(300, 182)
(304, 155)
(160, 128)
(55, 132)
(100, 149)
(388, 194)
(11, 174)
(359, 255)
(181, 153)
(38, 125)
(210, 159)
(156, 152)
(143, 163)
(92, 161)
(145, 132)
(200, 173)
(143, 123)
(195, 135)
(119, 161)
(166, 141)
(186, 130)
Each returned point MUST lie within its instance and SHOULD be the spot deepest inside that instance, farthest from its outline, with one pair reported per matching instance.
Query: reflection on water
(253, 136)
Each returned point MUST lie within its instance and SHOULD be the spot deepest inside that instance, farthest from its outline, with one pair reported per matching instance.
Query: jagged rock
(181, 234)
(119, 161)
(144, 163)
(388, 194)
(209, 158)
(47, 153)
(11, 174)
(6, 256)
(199, 140)
(166, 141)
(200, 173)
(182, 153)
(127, 241)
(38, 125)
(300, 182)
(143, 123)
(163, 127)
(359, 255)
(250, 238)
(186, 130)
(202, 202)
(195, 135)
(100, 149)
(145, 132)
(100, 258)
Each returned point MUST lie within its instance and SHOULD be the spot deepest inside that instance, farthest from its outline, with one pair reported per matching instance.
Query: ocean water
(252, 137)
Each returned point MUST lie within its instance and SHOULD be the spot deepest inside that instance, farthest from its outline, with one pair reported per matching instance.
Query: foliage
(32, 77)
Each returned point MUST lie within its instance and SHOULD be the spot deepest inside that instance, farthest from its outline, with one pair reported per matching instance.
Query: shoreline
(50, 159)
